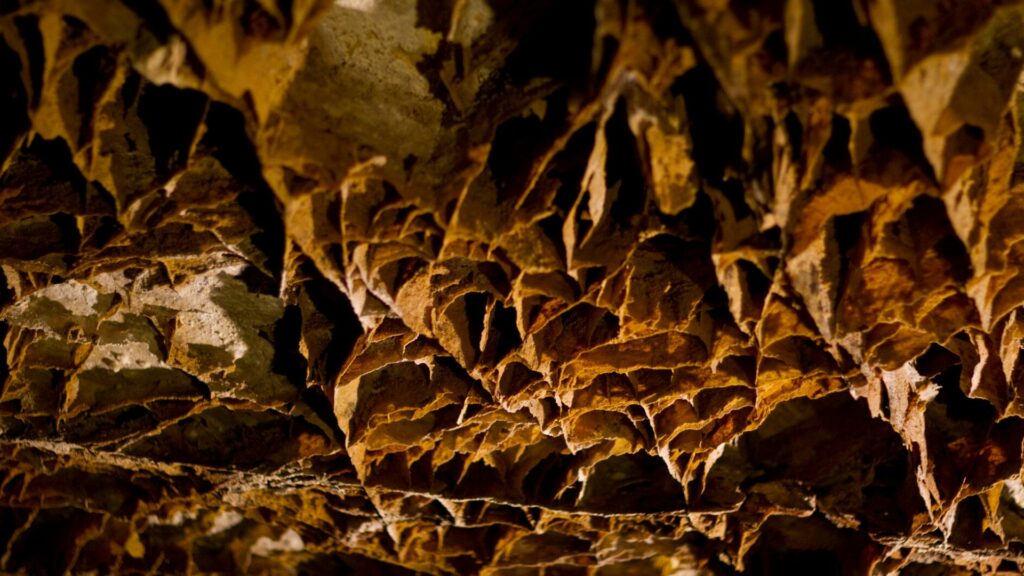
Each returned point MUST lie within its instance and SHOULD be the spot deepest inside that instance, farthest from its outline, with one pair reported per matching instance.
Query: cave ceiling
(560, 288)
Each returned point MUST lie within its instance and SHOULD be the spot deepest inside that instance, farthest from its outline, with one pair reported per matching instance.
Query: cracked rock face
(596, 288)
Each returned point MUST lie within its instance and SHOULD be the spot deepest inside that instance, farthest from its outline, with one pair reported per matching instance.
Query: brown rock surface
(596, 287)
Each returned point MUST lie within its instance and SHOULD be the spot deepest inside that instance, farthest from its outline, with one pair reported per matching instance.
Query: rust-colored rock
(477, 287)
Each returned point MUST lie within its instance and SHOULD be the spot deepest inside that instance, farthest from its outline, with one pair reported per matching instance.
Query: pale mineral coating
(595, 287)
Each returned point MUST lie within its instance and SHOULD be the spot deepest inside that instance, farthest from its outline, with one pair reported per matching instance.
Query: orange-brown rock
(595, 287)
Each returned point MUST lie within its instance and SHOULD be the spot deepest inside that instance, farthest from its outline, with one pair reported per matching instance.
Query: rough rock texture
(511, 287)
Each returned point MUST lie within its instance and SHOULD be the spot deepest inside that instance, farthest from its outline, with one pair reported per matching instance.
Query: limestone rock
(482, 287)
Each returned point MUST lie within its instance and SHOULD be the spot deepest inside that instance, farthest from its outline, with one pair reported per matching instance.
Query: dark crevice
(94, 69)
(569, 166)
(227, 139)
(848, 231)
(543, 482)
(172, 117)
(476, 307)
(258, 23)
(556, 43)
(795, 135)
(13, 101)
(288, 361)
(507, 338)
(32, 40)
(335, 306)
(155, 17)
(632, 483)
(717, 134)
(895, 131)
(622, 168)
(756, 283)
(839, 26)
(511, 151)
(70, 239)
(837, 149)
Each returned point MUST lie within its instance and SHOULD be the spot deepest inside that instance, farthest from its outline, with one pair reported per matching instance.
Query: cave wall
(595, 288)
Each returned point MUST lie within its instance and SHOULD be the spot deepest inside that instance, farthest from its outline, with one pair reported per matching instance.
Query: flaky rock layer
(479, 286)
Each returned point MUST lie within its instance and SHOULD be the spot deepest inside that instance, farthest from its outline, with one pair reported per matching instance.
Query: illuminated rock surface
(511, 287)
